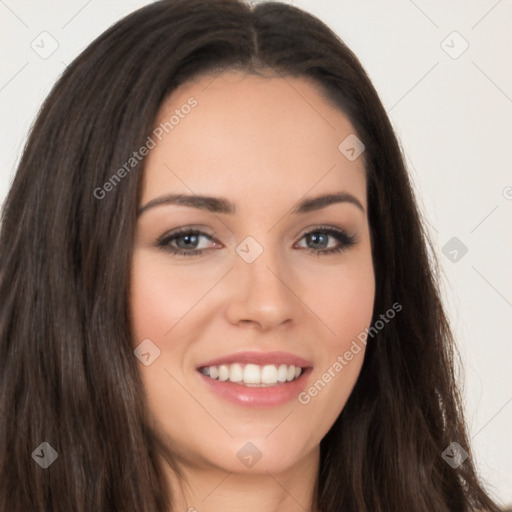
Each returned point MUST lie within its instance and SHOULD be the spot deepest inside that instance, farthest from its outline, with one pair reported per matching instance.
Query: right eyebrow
(222, 205)
(317, 203)
(212, 204)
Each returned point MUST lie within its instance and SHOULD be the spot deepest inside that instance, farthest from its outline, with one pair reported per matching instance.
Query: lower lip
(268, 396)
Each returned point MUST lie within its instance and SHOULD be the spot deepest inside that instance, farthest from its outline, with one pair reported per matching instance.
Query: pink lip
(257, 397)
(270, 396)
(260, 358)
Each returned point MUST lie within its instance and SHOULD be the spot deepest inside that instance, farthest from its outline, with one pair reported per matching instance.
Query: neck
(210, 489)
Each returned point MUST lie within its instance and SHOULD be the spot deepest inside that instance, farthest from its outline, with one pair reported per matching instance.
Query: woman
(217, 291)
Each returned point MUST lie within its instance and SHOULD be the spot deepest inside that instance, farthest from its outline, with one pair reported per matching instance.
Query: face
(252, 272)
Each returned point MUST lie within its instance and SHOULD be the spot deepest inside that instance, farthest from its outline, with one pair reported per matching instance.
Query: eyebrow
(221, 205)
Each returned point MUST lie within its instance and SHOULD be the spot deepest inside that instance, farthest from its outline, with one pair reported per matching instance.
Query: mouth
(253, 375)
(256, 379)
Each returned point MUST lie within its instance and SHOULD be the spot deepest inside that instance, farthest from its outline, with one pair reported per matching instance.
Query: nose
(261, 294)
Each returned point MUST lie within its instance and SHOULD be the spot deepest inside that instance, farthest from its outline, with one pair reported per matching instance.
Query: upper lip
(259, 358)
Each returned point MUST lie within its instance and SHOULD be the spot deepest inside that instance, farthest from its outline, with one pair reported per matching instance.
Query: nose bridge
(261, 293)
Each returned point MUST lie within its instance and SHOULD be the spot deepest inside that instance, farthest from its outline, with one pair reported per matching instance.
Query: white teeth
(269, 374)
(236, 373)
(223, 372)
(282, 372)
(253, 374)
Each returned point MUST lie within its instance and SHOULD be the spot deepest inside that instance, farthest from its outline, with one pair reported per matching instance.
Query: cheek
(162, 296)
(344, 303)
(352, 306)
(159, 303)
(342, 299)
(160, 299)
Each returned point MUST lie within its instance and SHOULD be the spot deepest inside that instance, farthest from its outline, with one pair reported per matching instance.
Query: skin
(263, 143)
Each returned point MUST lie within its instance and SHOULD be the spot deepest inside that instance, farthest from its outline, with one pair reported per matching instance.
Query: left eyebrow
(316, 203)
(209, 203)
(221, 205)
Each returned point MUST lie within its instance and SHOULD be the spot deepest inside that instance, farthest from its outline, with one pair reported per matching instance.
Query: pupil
(318, 239)
(188, 241)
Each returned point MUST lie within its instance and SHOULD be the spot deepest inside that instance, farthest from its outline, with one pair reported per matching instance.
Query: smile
(253, 375)
(256, 379)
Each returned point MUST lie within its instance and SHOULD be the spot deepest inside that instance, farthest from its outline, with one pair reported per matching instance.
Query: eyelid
(200, 230)
(344, 238)
(163, 241)
(327, 228)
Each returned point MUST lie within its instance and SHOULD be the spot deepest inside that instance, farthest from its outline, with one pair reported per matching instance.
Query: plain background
(451, 107)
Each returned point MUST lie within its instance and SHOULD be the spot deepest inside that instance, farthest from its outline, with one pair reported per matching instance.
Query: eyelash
(345, 241)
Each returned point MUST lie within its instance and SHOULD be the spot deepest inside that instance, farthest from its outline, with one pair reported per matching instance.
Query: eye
(326, 240)
(187, 242)
(194, 242)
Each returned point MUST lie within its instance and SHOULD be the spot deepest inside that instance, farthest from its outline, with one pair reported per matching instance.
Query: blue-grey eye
(186, 241)
(317, 240)
(326, 241)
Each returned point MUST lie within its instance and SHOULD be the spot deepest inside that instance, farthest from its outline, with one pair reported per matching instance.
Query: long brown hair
(68, 375)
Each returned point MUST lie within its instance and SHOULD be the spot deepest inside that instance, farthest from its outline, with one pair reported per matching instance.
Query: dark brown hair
(68, 375)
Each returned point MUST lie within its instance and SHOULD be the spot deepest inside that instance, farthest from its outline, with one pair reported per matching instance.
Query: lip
(259, 358)
(270, 396)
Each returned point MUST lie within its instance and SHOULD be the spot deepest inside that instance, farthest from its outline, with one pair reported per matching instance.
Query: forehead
(251, 134)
